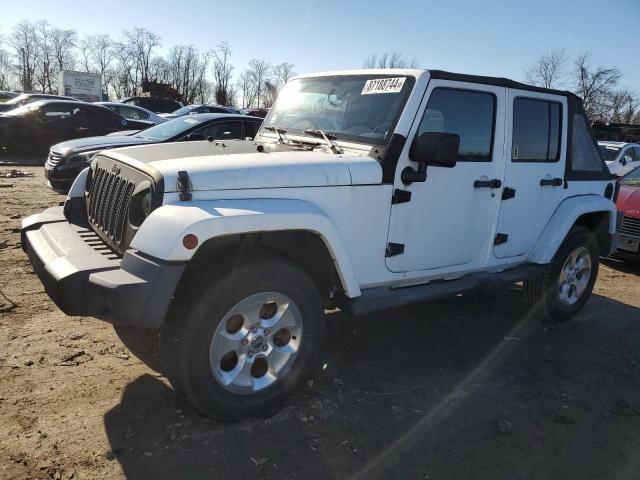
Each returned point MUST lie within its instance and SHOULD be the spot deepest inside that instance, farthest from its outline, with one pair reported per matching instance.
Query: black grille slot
(109, 204)
(630, 226)
(54, 158)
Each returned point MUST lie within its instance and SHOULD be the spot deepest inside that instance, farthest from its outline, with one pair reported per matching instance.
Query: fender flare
(77, 187)
(161, 233)
(565, 216)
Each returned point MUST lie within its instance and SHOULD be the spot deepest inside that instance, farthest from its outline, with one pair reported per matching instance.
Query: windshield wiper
(328, 137)
(289, 141)
(279, 131)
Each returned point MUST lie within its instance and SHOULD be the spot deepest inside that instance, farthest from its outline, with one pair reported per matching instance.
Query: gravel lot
(469, 387)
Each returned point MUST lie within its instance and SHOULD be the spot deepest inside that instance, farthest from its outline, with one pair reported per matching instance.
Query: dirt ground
(463, 388)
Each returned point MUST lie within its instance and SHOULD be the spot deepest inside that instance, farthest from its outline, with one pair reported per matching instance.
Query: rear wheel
(564, 287)
(248, 339)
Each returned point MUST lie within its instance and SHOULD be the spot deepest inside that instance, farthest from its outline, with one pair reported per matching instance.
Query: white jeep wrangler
(363, 190)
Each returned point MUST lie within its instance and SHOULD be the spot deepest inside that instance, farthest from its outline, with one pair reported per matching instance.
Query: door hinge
(508, 193)
(500, 239)
(400, 196)
(394, 249)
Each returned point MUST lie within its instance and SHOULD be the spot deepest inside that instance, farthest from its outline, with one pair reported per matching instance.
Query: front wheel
(251, 336)
(566, 284)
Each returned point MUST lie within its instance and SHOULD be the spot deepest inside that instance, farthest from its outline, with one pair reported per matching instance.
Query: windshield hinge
(400, 196)
(184, 185)
(394, 249)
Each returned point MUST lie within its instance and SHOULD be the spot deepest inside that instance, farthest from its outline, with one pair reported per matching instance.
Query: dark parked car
(133, 112)
(256, 112)
(66, 160)
(38, 125)
(27, 98)
(156, 105)
(202, 108)
(4, 95)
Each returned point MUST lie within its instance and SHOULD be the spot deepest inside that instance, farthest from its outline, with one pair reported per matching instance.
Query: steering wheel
(382, 128)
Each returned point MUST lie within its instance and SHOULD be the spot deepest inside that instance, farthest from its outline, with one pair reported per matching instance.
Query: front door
(534, 170)
(451, 217)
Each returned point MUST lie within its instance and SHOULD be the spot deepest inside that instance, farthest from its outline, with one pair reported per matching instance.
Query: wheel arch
(295, 229)
(594, 212)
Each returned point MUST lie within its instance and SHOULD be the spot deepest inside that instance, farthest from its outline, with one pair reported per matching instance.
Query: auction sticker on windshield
(383, 85)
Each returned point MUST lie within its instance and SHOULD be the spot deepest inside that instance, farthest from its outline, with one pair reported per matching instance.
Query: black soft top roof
(497, 81)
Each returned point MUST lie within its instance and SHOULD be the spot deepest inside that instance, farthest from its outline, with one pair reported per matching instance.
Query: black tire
(187, 336)
(542, 293)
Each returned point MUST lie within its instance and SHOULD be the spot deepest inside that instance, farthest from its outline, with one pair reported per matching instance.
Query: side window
(133, 113)
(536, 130)
(469, 114)
(250, 129)
(225, 131)
(52, 112)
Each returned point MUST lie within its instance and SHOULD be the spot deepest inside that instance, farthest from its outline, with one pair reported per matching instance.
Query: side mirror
(436, 148)
(195, 136)
(626, 159)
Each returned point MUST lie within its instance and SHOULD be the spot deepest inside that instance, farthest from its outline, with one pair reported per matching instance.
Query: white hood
(239, 165)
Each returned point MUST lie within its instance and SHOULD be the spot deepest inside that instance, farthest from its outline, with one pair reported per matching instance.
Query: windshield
(632, 178)
(169, 129)
(16, 100)
(23, 109)
(609, 152)
(183, 110)
(357, 108)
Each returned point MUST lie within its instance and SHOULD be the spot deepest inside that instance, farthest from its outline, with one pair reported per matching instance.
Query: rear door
(534, 174)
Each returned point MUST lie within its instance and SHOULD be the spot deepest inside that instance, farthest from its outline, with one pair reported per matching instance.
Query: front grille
(630, 226)
(54, 158)
(113, 191)
(109, 203)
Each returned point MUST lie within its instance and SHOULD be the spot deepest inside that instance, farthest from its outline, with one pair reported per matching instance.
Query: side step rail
(380, 298)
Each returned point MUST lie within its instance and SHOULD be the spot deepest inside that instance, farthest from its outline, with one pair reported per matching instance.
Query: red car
(629, 205)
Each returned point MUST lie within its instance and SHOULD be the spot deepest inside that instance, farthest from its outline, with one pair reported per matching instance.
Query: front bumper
(84, 277)
(61, 176)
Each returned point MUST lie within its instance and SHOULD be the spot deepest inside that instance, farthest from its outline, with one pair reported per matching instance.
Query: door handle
(495, 183)
(553, 182)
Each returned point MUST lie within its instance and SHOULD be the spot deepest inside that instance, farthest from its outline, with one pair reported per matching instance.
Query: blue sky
(482, 36)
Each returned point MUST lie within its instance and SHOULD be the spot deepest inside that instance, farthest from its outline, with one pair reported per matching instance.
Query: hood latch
(184, 186)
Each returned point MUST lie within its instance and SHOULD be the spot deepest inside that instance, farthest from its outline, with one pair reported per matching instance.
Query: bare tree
(64, 42)
(244, 85)
(389, 60)
(222, 73)
(187, 72)
(140, 44)
(619, 106)
(548, 69)
(594, 85)
(255, 76)
(24, 40)
(269, 93)
(98, 53)
(45, 67)
(282, 73)
(5, 70)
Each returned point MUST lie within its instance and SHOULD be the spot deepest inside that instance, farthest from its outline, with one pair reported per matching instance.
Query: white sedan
(619, 154)
(133, 112)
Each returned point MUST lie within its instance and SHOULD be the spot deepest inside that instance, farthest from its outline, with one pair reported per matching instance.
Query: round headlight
(140, 206)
